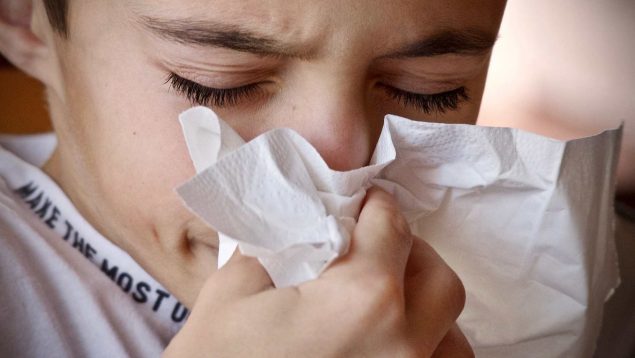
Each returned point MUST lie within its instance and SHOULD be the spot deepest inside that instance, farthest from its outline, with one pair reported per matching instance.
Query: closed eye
(428, 103)
(229, 97)
(209, 96)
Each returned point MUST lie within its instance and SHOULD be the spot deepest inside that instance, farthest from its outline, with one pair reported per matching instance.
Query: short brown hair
(56, 11)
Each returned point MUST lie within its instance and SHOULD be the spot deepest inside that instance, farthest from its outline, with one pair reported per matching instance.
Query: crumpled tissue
(525, 221)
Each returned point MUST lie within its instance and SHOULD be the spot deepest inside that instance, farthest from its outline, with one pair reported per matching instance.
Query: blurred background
(22, 104)
(566, 69)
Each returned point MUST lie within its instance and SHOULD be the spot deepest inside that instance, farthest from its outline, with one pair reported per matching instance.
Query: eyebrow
(467, 42)
(234, 37)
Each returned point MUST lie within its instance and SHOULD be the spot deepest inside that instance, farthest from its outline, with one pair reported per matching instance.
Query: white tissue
(525, 221)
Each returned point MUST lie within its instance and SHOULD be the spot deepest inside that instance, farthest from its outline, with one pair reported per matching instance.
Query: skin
(121, 152)
(577, 90)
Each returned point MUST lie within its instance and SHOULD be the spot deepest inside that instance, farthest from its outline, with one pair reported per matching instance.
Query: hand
(390, 296)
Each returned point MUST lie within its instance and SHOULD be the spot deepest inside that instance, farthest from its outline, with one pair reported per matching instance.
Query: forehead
(310, 19)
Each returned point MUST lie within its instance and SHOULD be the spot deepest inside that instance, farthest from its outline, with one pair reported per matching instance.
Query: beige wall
(22, 105)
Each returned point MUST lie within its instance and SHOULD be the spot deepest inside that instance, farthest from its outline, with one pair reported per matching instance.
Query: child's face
(329, 69)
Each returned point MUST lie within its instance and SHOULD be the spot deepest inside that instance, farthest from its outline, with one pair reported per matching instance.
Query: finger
(454, 345)
(434, 294)
(381, 239)
(242, 276)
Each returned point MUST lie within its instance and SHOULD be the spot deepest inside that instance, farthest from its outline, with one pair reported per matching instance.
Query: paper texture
(524, 220)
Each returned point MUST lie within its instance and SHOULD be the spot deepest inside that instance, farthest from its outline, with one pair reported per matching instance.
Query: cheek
(142, 161)
(127, 121)
(133, 148)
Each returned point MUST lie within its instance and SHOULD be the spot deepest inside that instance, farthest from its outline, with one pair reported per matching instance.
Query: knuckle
(398, 223)
(459, 290)
(380, 295)
(215, 282)
(397, 231)
(242, 263)
(388, 209)
(410, 348)
(467, 352)
(457, 346)
(455, 291)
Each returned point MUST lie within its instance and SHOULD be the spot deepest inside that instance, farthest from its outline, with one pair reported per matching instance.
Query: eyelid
(435, 93)
(432, 70)
(418, 84)
(226, 97)
(216, 81)
(219, 97)
(428, 103)
(220, 75)
(197, 65)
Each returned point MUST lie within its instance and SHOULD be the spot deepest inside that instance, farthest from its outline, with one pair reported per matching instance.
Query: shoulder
(58, 298)
(56, 303)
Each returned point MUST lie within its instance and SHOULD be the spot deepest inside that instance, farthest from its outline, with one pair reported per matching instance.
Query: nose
(337, 121)
(339, 131)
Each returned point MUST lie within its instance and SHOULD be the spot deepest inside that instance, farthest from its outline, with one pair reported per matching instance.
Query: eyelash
(228, 97)
(429, 103)
(203, 95)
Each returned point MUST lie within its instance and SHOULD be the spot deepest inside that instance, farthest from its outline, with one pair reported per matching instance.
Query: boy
(117, 75)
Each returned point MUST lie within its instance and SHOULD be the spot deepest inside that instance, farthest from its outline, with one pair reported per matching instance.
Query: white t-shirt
(65, 290)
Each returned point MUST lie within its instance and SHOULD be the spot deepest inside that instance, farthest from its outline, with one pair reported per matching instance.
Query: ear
(26, 38)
